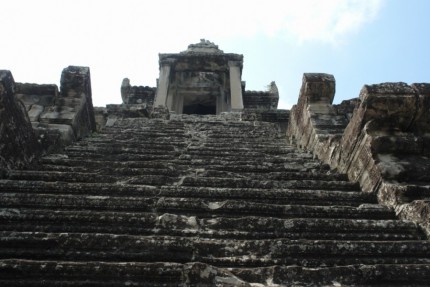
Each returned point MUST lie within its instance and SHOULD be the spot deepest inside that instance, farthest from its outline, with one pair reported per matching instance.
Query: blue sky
(358, 41)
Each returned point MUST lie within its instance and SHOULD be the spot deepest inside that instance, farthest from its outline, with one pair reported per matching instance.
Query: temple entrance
(199, 105)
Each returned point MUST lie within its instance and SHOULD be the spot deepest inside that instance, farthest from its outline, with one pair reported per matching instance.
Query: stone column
(163, 82)
(235, 85)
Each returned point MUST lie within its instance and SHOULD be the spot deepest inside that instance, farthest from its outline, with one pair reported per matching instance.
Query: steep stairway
(198, 201)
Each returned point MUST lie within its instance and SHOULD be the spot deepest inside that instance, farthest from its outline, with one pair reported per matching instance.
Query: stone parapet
(68, 113)
(139, 95)
(18, 143)
(262, 100)
(383, 144)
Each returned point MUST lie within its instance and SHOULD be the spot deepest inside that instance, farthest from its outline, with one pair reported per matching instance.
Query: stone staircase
(198, 201)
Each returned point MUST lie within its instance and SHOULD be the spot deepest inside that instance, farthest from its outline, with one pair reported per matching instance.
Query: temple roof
(204, 46)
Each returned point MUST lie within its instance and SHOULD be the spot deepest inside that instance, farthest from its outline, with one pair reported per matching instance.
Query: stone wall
(262, 100)
(18, 143)
(60, 117)
(384, 144)
(132, 95)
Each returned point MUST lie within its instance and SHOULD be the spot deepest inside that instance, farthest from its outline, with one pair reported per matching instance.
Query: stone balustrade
(383, 144)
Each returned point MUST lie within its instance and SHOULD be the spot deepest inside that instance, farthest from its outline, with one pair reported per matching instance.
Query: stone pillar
(235, 85)
(163, 82)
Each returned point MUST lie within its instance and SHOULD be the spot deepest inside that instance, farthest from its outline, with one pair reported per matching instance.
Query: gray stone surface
(198, 201)
(380, 140)
(18, 143)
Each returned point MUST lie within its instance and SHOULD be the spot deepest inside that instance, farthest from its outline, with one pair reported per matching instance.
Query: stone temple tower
(201, 80)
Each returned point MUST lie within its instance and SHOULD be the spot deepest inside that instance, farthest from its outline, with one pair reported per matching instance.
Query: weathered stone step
(239, 153)
(107, 170)
(71, 201)
(107, 151)
(200, 207)
(36, 175)
(381, 275)
(99, 140)
(208, 146)
(238, 141)
(147, 222)
(240, 207)
(125, 145)
(156, 156)
(276, 196)
(97, 189)
(268, 184)
(279, 196)
(52, 176)
(182, 164)
(91, 163)
(18, 272)
(243, 165)
(231, 253)
(144, 134)
(286, 175)
(115, 149)
(130, 137)
(239, 160)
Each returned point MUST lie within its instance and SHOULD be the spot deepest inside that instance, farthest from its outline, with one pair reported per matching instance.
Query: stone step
(94, 177)
(274, 196)
(239, 207)
(275, 176)
(203, 152)
(381, 275)
(107, 170)
(241, 160)
(115, 149)
(124, 141)
(196, 206)
(277, 196)
(61, 187)
(244, 165)
(107, 151)
(116, 145)
(91, 163)
(140, 218)
(248, 166)
(144, 133)
(18, 272)
(156, 156)
(228, 253)
(268, 184)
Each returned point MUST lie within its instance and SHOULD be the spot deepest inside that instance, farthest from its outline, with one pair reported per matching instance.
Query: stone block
(73, 106)
(391, 105)
(31, 94)
(35, 112)
(67, 135)
(318, 87)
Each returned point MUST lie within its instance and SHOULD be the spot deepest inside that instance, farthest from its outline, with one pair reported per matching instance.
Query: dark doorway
(202, 105)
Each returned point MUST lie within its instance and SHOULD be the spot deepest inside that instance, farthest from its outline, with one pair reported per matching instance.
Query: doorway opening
(199, 105)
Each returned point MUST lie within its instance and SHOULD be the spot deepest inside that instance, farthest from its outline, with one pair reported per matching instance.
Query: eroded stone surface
(384, 146)
(18, 143)
(198, 200)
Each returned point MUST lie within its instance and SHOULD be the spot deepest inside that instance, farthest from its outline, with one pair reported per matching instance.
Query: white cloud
(123, 38)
